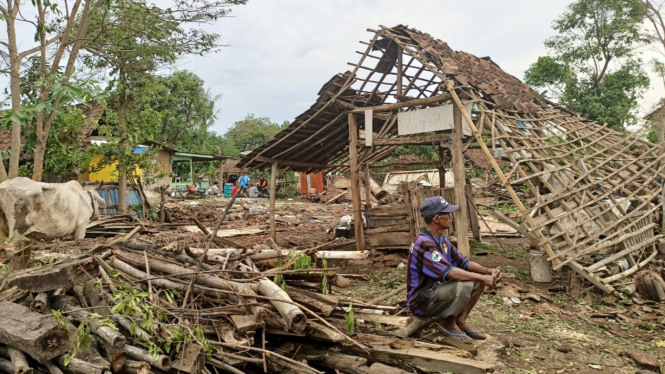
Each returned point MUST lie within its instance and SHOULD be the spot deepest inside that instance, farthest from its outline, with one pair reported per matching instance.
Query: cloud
(282, 52)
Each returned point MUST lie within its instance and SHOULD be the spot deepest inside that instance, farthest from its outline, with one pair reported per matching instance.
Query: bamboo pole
(273, 190)
(355, 183)
(498, 170)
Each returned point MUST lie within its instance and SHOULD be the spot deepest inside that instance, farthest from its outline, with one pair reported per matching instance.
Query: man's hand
(496, 274)
(487, 281)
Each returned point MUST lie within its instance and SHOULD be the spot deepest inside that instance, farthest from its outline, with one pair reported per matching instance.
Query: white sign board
(439, 118)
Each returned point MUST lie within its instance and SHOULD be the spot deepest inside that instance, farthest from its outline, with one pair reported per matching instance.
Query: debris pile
(160, 302)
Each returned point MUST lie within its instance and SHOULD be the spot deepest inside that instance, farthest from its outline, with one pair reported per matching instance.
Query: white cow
(45, 210)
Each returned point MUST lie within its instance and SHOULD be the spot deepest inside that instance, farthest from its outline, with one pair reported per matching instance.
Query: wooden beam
(462, 219)
(273, 190)
(415, 102)
(442, 169)
(293, 163)
(473, 215)
(355, 183)
(400, 54)
(404, 164)
(414, 140)
(368, 188)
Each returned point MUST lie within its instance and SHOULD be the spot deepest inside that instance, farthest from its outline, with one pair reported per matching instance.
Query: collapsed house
(594, 188)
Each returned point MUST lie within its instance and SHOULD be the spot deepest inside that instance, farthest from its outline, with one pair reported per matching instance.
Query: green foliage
(592, 67)
(252, 132)
(350, 320)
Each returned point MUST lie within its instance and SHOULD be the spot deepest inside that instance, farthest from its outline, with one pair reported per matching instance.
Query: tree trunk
(122, 168)
(15, 87)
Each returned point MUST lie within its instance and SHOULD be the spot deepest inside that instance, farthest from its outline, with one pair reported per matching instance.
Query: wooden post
(368, 189)
(462, 219)
(442, 169)
(473, 214)
(221, 174)
(273, 190)
(355, 184)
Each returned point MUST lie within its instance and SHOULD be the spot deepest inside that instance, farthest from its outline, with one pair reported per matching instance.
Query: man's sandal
(454, 335)
(475, 334)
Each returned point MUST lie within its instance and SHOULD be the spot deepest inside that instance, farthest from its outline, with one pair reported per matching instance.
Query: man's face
(445, 220)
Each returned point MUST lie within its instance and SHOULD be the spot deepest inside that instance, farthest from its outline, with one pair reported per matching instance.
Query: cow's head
(96, 202)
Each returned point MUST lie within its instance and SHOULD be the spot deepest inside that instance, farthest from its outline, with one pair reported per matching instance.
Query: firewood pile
(136, 305)
(207, 213)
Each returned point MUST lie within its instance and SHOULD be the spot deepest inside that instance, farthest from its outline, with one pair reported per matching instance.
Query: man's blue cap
(436, 205)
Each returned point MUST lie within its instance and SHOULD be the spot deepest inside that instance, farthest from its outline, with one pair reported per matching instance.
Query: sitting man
(263, 185)
(441, 282)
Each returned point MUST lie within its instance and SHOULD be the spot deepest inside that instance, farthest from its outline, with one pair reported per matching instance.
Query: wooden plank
(405, 353)
(462, 219)
(43, 279)
(404, 104)
(473, 214)
(368, 188)
(244, 323)
(368, 127)
(294, 163)
(38, 335)
(519, 228)
(355, 183)
(390, 239)
(393, 228)
(273, 190)
(414, 140)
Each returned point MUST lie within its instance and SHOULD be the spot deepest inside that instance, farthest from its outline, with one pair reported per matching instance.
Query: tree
(252, 132)
(653, 12)
(593, 68)
(59, 37)
(188, 109)
(135, 38)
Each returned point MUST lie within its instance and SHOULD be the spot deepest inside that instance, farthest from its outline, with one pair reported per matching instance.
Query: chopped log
(149, 247)
(415, 324)
(324, 308)
(106, 333)
(295, 318)
(325, 333)
(19, 361)
(91, 354)
(39, 303)
(39, 336)
(116, 356)
(42, 279)
(170, 268)
(136, 367)
(334, 279)
(78, 366)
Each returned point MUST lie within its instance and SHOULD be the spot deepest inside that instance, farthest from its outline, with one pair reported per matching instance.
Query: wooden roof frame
(579, 170)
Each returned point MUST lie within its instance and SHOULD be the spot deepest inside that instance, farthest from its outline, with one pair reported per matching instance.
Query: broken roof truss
(594, 188)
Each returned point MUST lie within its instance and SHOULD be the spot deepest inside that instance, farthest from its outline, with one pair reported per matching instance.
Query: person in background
(441, 282)
(263, 185)
(214, 188)
(236, 189)
(244, 182)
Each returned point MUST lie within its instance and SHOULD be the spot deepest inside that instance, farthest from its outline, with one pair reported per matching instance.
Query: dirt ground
(528, 337)
(556, 334)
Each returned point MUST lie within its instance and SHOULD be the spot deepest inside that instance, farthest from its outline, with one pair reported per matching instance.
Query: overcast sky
(282, 51)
